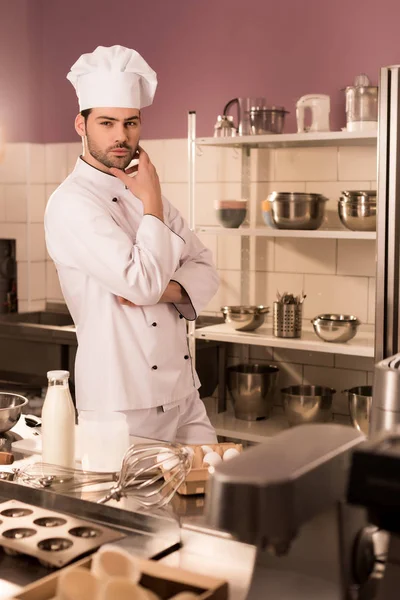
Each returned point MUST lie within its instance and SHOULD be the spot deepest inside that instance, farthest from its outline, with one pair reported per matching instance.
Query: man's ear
(80, 127)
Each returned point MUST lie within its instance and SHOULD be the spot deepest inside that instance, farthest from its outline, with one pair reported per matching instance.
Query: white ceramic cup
(77, 584)
(111, 561)
(103, 440)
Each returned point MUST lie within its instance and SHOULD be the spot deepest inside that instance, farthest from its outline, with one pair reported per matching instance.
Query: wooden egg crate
(161, 579)
(196, 480)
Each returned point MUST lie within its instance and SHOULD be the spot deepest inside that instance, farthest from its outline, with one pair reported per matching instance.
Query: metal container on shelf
(307, 404)
(294, 210)
(245, 318)
(287, 320)
(252, 388)
(336, 328)
(357, 210)
(267, 120)
(360, 403)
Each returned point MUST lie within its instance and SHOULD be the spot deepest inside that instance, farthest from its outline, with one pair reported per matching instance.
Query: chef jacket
(103, 246)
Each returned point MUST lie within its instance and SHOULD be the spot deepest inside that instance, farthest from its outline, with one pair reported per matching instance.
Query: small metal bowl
(357, 210)
(360, 403)
(307, 404)
(10, 409)
(335, 328)
(245, 318)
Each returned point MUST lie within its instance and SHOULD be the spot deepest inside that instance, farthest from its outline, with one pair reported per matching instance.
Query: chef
(130, 269)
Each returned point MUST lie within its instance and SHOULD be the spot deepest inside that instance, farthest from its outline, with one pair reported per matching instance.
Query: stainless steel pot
(357, 210)
(293, 210)
(360, 403)
(307, 404)
(252, 390)
(267, 120)
(335, 328)
(245, 318)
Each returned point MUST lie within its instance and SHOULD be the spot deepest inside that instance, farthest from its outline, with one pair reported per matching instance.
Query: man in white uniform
(130, 269)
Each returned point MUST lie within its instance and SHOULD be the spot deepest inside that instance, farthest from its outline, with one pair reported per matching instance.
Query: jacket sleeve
(196, 273)
(79, 234)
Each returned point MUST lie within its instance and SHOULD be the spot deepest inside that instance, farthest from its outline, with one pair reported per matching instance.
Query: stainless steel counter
(176, 535)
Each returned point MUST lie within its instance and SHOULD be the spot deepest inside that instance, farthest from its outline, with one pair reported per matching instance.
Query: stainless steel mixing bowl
(244, 318)
(252, 389)
(293, 210)
(360, 403)
(10, 409)
(335, 328)
(307, 404)
(357, 210)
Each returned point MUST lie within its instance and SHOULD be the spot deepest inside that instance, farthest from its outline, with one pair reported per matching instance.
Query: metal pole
(387, 322)
(192, 216)
(381, 252)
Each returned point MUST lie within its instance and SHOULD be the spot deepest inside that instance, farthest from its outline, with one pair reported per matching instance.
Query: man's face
(113, 135)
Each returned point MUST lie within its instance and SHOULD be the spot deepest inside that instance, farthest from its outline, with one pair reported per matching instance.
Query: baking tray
(54, 538)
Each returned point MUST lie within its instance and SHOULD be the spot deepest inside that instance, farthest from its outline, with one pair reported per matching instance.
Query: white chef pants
(185, 422)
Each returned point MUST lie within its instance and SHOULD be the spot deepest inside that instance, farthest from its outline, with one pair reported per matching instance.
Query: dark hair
(85, 113)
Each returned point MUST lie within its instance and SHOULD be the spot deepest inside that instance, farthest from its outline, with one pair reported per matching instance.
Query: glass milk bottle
(58, 422)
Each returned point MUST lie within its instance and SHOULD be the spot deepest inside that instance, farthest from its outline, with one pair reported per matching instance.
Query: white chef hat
(115, 77)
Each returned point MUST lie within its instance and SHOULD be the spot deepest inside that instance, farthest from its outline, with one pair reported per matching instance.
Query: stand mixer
(317, 501)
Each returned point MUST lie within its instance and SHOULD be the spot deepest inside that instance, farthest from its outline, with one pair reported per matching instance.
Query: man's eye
(132, 123)
(106, 123)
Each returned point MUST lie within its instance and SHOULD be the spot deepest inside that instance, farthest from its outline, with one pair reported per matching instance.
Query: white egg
(167, 460)
(207, 449)
(212, 458)
(230, 453)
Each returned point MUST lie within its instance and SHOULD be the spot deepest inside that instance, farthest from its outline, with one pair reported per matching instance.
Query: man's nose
(121, 133)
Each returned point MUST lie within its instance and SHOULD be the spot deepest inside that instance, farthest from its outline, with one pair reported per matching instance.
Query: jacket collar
(100, 178)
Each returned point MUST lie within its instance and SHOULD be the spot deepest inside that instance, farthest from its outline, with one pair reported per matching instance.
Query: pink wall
(205, 52)
(20, 90)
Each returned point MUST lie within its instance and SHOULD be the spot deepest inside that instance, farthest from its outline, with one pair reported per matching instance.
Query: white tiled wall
(337, 276)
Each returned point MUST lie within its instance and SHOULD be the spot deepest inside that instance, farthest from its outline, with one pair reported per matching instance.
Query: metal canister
(287, 320)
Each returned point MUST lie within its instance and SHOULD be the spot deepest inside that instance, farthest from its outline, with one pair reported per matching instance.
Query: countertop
(178, 536)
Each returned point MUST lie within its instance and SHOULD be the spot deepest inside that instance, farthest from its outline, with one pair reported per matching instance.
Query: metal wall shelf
(293, 140)
(339, 234)
(361, 345)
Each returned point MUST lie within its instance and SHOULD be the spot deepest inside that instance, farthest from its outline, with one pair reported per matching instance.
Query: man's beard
(108, 160)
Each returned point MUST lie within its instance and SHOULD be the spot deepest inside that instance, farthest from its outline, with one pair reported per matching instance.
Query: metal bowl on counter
(307, 404)
(294, 210)
(357, 210)
(335, 328)
(10, 409)
(245, 318)
(360, 403)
